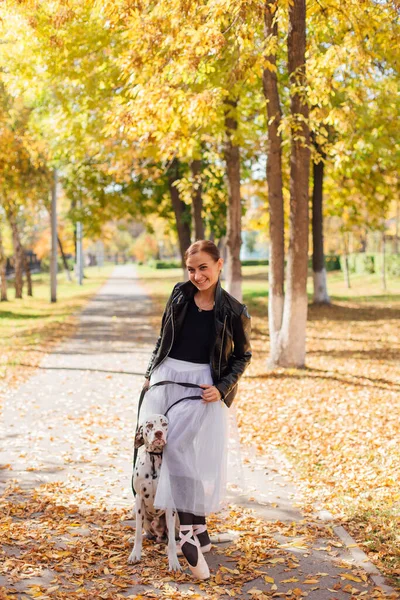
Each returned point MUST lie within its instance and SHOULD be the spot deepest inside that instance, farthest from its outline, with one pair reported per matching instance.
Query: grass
(364, 288)
(32, 325)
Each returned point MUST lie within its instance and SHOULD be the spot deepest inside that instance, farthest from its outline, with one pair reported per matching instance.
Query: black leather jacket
(231, 352)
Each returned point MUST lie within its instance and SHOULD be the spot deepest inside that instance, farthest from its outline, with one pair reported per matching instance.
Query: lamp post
(79, 253)
(53, 260)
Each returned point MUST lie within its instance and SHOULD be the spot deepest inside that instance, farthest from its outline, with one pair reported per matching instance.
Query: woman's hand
(211, 393)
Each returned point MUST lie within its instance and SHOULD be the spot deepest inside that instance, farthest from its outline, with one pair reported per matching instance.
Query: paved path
(69, 431)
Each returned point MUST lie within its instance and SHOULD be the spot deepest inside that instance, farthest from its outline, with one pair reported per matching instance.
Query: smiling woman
(204, 343)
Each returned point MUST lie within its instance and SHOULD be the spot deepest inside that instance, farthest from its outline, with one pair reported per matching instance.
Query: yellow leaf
(275, 561)
(350, 589)
(269, 579)
(233, 571)
(351, 577)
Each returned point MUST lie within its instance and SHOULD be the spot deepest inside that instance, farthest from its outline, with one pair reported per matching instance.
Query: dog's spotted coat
(158, 524)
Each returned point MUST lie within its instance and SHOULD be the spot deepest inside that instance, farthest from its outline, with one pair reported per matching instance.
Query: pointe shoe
(200, 570)
(204, 549)
(196, 530)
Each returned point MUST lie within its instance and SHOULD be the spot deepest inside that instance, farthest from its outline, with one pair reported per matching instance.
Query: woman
(204, 340)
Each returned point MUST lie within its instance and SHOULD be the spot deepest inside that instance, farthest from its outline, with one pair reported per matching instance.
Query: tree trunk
(181, 212)
(275, 186)
(53, 250)
(67, 271)
(318, 257)
(346, 261)
(363, 240)
(383, 274)
(3, 265)
(18, 280)
(292, 337)
(223, 252)
(234, 214)
(27, 269)
(197, 200)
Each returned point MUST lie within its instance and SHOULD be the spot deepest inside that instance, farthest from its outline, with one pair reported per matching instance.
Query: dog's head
(152, 433)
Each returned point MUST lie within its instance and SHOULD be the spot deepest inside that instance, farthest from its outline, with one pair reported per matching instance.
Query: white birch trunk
(275, 189)
(275, 316)
(291, 347)
(292, 336)
(320, 288)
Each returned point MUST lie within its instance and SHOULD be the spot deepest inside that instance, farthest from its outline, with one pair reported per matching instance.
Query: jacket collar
(188, 290)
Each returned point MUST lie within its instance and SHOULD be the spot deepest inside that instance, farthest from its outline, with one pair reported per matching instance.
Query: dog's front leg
(172, 556)
(136, 553)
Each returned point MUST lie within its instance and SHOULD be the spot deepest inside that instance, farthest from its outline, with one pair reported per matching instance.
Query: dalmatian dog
(158, 524)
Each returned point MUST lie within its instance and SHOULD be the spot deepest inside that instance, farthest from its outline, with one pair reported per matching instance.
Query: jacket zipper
(222, 345)
(173, 335)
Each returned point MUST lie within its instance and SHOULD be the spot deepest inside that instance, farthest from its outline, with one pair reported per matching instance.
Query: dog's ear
(139, 441)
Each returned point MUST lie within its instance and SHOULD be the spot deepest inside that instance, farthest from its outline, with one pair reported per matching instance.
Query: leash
(166, 382)
(153, 463)
(141, 397)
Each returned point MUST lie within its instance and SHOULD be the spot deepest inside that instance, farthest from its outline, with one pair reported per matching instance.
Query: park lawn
(31, 326)
(338, 419)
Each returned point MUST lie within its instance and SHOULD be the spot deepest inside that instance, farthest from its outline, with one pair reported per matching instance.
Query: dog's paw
(134, 557)
(174, 564)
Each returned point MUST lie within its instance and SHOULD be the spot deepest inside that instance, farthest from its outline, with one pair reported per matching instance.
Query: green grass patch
(365, 288)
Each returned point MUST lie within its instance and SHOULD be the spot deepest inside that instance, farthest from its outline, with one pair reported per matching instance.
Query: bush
(332, 262)
(45, 264)
(393, 264)
(254, 262)
(164, 264)
(358, 263)
(175, 264)
(371, 262)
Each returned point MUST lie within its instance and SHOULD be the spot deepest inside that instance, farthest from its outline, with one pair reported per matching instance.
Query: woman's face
(203, 270)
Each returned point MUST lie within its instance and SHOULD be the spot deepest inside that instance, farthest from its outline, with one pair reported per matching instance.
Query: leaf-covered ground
(338, 419)
(68, 545)
(65, 527)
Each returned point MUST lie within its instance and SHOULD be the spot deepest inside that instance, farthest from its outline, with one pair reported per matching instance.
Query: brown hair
(203, 246)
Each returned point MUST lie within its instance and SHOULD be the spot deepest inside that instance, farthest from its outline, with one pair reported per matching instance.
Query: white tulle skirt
(194, 469)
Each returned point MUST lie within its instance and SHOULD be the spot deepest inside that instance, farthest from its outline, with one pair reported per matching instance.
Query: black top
(195, 337)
